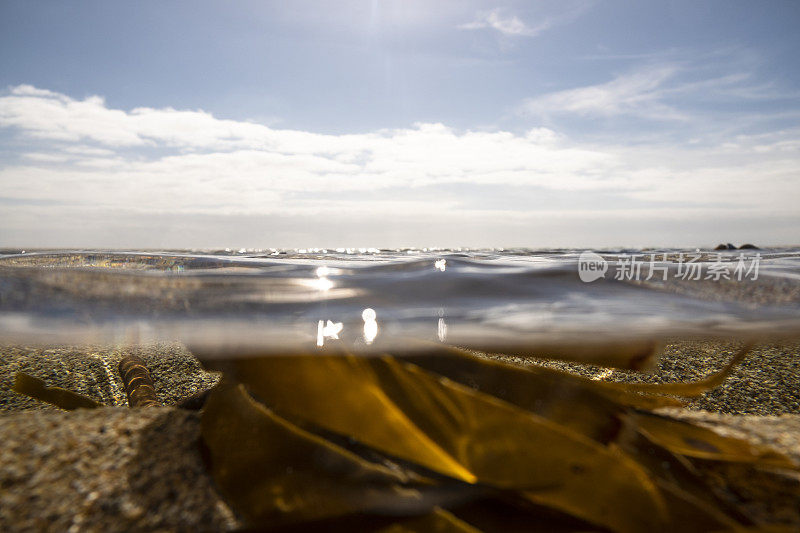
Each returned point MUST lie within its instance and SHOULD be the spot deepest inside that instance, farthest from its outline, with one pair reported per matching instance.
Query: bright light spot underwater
(370, 325)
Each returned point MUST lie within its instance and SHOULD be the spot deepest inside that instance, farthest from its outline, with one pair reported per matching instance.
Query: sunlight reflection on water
(302, 299)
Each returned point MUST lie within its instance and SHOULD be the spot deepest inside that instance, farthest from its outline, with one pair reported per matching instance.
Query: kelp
(457, 431)
(63, 398)
(280, 474)
(444, 440)
(439, 520)
(407, 412)
(583, 405)
(137, 382)
(695, 388)
(685, 492)
(135, 377)
(690, 440)
(628, 355)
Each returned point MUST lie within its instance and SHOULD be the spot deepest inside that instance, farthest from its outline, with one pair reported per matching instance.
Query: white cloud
(46, 158)
(634, 93)
(81, 154)
(254, 159)
(505, 24)
(510, 25)
(30, 90)
(669, 91)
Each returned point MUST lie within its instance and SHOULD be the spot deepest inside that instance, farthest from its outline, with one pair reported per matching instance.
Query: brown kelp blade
(513, 513)
(626, 393)
(580, 404)
(689, 513)
(405, 411)
(694, 441)
(491, 375)
(690, 503)
(63, 398)
(514, 449)
(630, 355)
(276, 473)
(438, 521)
(342, 394)
(695, 388)
(138, 384)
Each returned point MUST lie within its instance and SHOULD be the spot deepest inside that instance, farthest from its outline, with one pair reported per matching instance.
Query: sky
(390, 123)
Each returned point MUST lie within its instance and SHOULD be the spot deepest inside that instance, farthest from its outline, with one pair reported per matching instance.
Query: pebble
(111, 469)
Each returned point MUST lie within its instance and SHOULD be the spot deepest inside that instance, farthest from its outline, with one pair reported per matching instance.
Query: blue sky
(399, 123)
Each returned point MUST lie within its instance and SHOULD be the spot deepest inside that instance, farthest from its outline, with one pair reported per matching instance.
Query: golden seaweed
(438, 521)
(63, 398)
(405, 411)
(688, 497)
(137, 382)
(279, 473)
(695, 388)
(583, 405)
(576, 453)
(691, 440)
(630, 354)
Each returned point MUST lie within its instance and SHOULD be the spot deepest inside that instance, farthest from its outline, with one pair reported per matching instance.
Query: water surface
(371, 301)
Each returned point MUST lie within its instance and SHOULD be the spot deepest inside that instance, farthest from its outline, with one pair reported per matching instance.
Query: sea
(372, 301)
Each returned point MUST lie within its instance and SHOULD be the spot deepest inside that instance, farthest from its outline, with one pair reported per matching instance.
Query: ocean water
(370, 301)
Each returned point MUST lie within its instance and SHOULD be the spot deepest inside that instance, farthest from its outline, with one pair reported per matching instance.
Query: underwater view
(402, 390)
